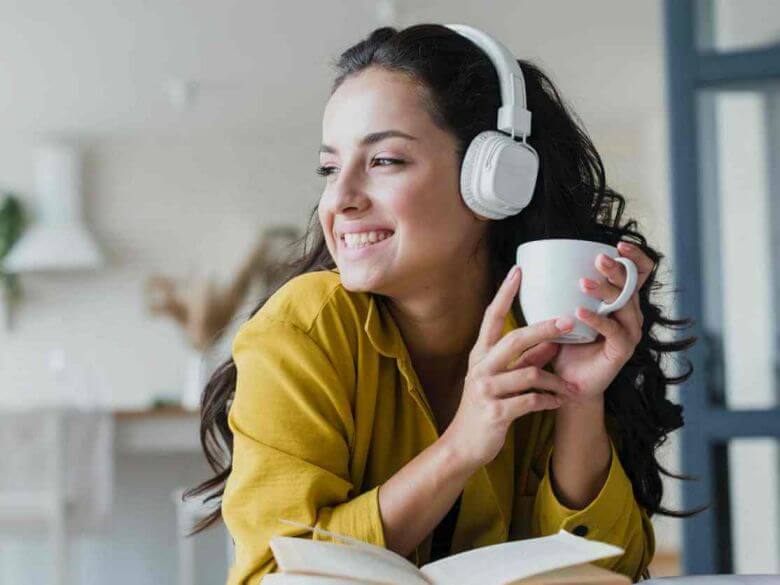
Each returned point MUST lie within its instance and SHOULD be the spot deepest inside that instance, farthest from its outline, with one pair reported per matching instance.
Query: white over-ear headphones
(498, 174)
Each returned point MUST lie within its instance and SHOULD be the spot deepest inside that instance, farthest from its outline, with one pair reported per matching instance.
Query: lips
(356, 229)
(355, 253)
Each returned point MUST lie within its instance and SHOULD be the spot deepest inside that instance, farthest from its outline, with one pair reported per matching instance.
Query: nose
(347, 193)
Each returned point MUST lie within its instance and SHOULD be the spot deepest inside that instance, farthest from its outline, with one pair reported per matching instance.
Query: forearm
(418, 496)
(581, 453)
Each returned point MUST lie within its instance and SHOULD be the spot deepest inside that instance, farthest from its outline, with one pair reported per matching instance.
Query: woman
(370, 395)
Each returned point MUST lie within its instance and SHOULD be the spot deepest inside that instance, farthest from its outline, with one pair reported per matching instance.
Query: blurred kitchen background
(157, 161)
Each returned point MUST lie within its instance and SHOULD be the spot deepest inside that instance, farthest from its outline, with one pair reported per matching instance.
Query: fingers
(493, 320)
(617, 335)
(514, 343)
(539, 355)
(614, 271)
(518, 406)
(600, 289)
(523, 380)
(630, 316)
(601, 323)
(644, 264)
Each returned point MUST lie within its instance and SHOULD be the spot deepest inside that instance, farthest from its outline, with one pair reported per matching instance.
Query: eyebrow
(373, 138)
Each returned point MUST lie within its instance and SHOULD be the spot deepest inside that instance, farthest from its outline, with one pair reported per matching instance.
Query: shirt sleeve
(614, 517)
(292, 425)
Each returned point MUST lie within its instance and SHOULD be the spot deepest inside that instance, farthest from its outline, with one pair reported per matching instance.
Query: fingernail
(563, 323)
(609, 262)
(589, 284)
(626, 246)
(584, 312)
(512, 273)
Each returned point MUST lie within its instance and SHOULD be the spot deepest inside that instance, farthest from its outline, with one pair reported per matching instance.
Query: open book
(560, 558)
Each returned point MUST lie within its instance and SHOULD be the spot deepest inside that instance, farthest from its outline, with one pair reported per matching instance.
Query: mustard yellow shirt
(328, 406)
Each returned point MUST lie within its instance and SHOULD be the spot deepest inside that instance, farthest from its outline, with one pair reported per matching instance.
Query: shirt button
(580, 530)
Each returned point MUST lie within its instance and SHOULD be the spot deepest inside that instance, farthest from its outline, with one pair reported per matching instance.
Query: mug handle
(628, 289)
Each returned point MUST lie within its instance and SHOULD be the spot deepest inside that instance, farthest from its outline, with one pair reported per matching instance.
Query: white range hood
(57, 239)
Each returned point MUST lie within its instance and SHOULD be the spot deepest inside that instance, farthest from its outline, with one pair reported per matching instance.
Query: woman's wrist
(581, 411)
(415, 499)
(581, 453)
(455, 458)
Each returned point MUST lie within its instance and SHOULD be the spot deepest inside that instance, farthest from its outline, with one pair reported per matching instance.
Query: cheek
(418, 200)
(417, 215)
(326, 226)
(435, 220)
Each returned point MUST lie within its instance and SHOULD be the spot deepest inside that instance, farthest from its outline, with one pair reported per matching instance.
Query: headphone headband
(513, 116)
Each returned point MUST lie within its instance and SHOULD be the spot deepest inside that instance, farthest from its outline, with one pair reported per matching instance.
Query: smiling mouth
(353, 245)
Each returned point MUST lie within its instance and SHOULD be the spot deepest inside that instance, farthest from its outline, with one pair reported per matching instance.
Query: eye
(323, 171)
(390, 160)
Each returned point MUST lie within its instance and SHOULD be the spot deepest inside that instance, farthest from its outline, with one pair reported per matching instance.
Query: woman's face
(404, 188)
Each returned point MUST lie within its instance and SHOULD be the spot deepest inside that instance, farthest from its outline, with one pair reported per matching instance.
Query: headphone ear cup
(469, 175)
(514, 177)
(466, 173)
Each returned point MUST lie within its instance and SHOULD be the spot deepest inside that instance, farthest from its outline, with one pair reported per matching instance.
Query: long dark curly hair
(571, 200)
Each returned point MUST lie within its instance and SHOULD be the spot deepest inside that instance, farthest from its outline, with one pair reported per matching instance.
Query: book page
(386, 554)
(511, 561)
(575, 575)
(348, 561)
(289, 579)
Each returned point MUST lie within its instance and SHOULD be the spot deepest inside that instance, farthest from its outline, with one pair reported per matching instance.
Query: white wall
(177, 205)
(744, 24)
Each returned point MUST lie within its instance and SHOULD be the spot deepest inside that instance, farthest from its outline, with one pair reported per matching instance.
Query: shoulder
(305, 336)
(317, 305)
(309, 297)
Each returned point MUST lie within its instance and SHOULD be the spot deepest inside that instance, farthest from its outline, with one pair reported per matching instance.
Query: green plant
(11, 226)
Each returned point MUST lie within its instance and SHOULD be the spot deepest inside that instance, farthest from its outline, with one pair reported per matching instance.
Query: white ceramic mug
(551, 271)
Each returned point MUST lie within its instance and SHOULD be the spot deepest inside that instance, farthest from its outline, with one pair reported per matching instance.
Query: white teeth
(365, 238)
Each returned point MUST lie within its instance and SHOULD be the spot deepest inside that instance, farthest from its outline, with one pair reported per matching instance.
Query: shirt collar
(385, 336)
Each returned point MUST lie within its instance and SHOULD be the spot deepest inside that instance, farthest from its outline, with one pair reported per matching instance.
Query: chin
(355, 280)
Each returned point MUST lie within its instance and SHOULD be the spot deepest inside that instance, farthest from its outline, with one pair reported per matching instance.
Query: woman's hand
(593, 366)
(493, 394)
